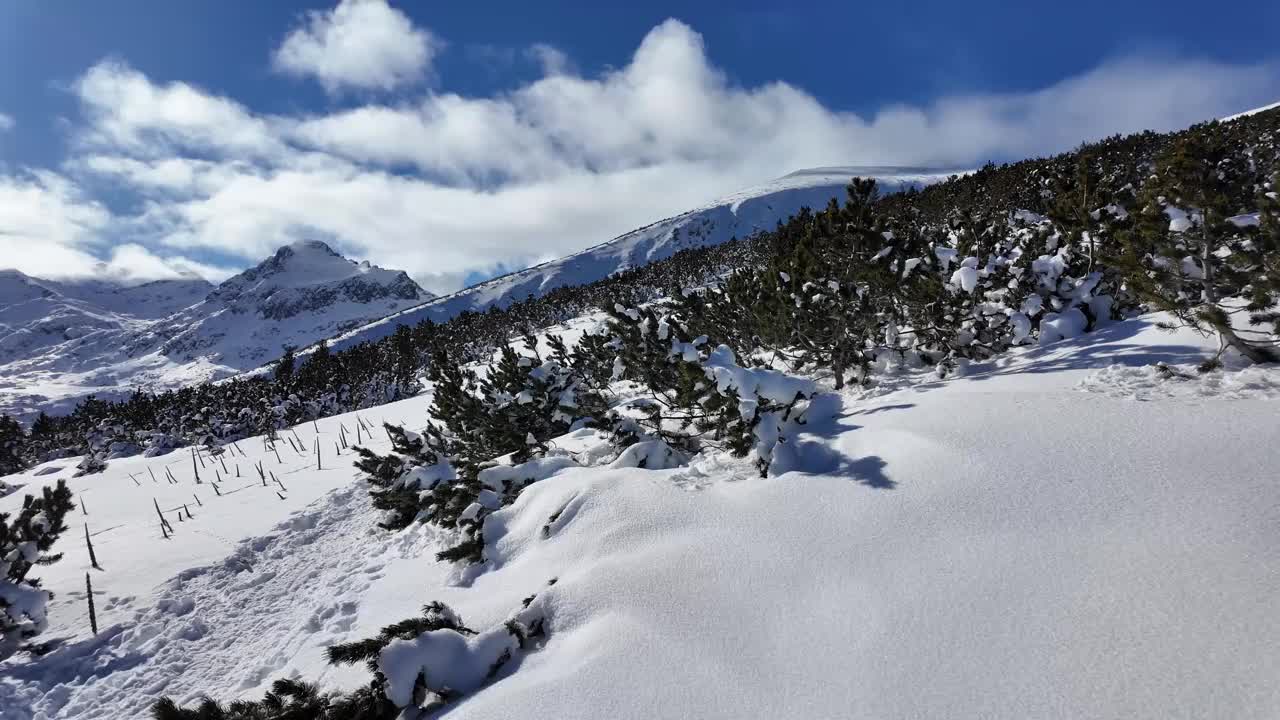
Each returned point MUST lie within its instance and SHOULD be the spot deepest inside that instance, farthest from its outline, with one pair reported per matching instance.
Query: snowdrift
(1058, 533)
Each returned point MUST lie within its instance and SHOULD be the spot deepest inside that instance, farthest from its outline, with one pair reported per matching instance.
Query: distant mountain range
(61, 341)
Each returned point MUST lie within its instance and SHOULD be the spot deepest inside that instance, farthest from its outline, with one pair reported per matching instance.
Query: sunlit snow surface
(1057, 534)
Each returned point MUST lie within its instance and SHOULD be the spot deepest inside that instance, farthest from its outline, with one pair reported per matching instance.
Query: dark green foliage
(385, 474)
(435, 616)
(522, 402)
(25, 542)
(286, 366)
(287, 700)
(1183, 254)
(12, 443)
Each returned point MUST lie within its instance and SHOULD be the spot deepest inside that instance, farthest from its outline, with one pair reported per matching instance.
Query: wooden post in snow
(163, 523)
(93, 614)
(93, 558)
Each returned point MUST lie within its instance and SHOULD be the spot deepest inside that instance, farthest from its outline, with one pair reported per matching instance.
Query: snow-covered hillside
(62, 341)
(1066, 531)
(738, 215)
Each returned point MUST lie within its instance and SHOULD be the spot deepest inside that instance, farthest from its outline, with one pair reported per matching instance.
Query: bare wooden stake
(93, 614)
(135, 480)
(224, 463)
(216, 490)
(279, 495)
(197, 497)
(237, 469)
(163, 523)
(195, 469)
(318, 452)
(184, 507)
(153, 474)
(82, 510)
(218, 475)
(201, 456)
(277, 452)
(93, 558)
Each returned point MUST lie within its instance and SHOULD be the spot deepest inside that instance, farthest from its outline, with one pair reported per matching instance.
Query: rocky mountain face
(61, 341)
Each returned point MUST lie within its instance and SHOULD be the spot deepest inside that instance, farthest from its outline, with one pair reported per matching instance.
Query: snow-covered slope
(1254, 111)
(62, 341)
(737, 215)
(1064, 532)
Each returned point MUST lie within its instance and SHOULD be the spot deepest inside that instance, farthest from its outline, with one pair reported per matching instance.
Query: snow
(1058, 326)
(1016, 542)
(502, 477)
(966, 278)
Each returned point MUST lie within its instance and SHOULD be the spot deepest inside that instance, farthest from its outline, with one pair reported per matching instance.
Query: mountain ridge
(738, 214)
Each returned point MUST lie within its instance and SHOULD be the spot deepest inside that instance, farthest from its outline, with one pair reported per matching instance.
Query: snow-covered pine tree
(414, 481)
(1184, 254)
(285, 366)
(1263, 254)
(24, 543)
(13, 443)
(698, 398)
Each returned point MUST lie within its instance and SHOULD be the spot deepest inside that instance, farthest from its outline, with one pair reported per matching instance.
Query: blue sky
(455, 140)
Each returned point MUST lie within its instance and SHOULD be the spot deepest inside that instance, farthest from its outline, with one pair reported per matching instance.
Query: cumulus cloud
(44, 209)
(446, 186)
(363, 44)
(551, 59)
(127, 112)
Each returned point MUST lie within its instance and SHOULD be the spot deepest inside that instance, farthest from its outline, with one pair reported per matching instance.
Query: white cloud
(127, 111)
(40, 209)
(551, 59)
(363, 44)
(6, 122)
(442, 185)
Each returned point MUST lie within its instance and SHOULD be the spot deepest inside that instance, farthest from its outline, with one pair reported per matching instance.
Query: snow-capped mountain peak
(63, 340)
